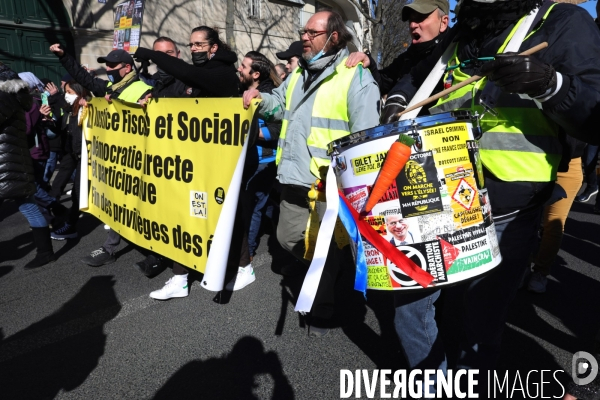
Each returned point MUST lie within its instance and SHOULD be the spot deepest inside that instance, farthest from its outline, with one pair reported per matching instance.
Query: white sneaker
(537, 283)
(69, 192)
(175, 287)
(244, 277)
(106, 227)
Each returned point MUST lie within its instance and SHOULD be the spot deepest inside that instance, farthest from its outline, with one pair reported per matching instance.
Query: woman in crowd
(213, 70)
(213, 74)
(17, 179)
(71, 126)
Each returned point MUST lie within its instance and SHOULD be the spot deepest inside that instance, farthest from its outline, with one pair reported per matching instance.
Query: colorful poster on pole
(128, 25)
(152, 175)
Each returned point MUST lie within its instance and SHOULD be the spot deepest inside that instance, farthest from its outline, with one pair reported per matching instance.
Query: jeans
(590, 158)
(28, 207)
(485, 304)
(41, 196)
(50, 166)
(259, 185)
(113, 239)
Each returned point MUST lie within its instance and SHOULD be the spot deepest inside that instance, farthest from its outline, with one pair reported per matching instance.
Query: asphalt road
(69, 331)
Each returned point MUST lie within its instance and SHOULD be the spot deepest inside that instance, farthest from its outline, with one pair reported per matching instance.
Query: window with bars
(254, 9)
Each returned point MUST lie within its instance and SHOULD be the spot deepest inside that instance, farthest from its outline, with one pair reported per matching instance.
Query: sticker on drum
(437, 212)
(419, 186)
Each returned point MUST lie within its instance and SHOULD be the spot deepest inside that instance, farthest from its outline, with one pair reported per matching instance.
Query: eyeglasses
(198, 45)
(310, 33)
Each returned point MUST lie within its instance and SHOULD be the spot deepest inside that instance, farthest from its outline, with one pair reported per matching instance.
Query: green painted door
(27, 29)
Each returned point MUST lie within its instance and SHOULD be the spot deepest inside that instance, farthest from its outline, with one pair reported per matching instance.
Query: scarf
(126, 79)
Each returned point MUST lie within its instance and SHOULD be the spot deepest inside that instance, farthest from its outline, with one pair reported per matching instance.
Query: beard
(487, 19)
(246, 81)
(308, 56)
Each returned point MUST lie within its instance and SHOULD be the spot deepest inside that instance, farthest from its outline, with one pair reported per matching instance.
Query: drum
(437, 212)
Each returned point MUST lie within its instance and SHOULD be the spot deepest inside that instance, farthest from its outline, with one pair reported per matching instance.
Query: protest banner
(167, 177)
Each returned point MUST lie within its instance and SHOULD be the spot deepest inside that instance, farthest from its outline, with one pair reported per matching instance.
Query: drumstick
(466, 82)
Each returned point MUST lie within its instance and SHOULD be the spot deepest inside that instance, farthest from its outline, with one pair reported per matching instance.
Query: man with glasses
(321, 101)
(213, 71)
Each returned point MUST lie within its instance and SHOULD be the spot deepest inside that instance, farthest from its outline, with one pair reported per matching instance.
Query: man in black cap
(123, 84)
(428, 23)
(123, 80)
(291, 55)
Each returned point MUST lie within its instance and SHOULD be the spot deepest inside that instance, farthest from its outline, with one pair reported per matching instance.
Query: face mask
(319, 54)
(200, 58)
(114, 75)
(70, 98)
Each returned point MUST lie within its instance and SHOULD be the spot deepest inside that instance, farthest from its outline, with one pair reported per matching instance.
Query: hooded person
(17, 180)
(212, 71)
(536, 97)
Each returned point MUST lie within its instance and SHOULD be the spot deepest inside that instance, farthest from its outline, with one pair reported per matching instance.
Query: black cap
(295, 49)
(425, 7)
(117, 56)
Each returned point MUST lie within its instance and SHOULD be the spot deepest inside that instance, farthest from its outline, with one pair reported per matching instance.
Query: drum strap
(438, 71)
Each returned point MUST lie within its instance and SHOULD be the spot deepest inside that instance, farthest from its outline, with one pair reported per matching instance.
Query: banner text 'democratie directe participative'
(160, 176)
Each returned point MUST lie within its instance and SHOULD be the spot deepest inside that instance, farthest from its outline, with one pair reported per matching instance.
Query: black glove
(142, 54)
(520, 74)
(394, 105)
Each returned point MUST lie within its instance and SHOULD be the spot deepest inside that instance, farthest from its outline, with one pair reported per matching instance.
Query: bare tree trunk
(229, 21)
(376, 30)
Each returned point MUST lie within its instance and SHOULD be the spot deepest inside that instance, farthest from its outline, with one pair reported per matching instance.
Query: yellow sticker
(379, 278)
(448, 143)
(464, 197)
(368, 163)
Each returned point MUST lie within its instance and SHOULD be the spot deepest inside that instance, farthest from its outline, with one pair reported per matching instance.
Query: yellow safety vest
(133, 92)
(330, 117)
(520, 144)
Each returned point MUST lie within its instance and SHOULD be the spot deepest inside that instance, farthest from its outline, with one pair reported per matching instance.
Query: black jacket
(16, 169)
(387, 77)
(574, 51)
(98, 87)
(73, 133)
(172, 88)
(216, 78)
(59, 107)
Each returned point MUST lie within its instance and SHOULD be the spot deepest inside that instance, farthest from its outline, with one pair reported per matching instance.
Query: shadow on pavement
(6, 269)
(238, 375)
(59, 352)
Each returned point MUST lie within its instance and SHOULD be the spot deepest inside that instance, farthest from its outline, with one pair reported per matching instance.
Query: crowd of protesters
(323, 83)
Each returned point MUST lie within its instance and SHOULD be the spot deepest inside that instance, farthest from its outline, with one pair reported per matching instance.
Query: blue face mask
(319, 54)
